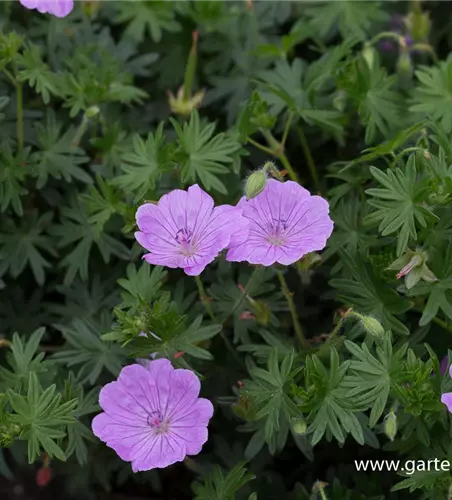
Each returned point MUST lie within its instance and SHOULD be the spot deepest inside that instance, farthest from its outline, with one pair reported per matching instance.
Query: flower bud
(404, 66)
(390, 425)
(299, 426)
(261, 312)
(369, 54)
(371, 325)
(92, 111)
(419, 25)
(255, 183)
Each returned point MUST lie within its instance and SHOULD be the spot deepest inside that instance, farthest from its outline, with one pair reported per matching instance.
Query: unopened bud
(92, 111)
(299, 426)
(390, 425)
(404, 65)
(371, 325)
(369, 55)
(255, 183)
(419, 25)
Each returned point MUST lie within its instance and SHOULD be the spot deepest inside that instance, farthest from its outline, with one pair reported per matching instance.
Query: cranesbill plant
(225, 249)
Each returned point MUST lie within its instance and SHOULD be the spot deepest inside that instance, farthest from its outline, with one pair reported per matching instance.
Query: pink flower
(185, 230)
(59, 8)
(446, 398)
(285, 223)
(153, 417)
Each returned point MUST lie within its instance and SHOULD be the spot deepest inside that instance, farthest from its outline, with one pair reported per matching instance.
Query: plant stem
(286, 129)
(261, 147)
(208, 307)
(20, 117)
(287, 166)
(204, 298)
(309, 159)
(239, 301)
(288, 294)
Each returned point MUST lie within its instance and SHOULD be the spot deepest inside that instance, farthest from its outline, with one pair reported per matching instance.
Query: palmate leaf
(23, 360)
(22, 246)
(76, 227)
(57, 157)
(143, 163)
(372, 377)
(399, 203)
(285, 88)
(439, 292)
(144, 17)
(43, 418)
(378, 104)
(78, 432)
(202, 154)
(86, 349)
(269, 391)
(367, 291)
(218, 486)
(432, 95)
(95, 76)
(141, 283)
(350, 18)
(37, 73)
(13, 171)
(326, 398)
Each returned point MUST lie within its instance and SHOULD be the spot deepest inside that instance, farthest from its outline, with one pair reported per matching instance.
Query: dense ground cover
(312, 356)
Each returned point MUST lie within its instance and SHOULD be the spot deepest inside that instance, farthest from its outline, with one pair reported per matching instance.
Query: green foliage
(217, 486)
(346, 360)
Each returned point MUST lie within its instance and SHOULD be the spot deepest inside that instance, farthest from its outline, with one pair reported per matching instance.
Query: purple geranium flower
(153, 417)
(185, 230)
(286, 222)
(446, 398)
(59, 8)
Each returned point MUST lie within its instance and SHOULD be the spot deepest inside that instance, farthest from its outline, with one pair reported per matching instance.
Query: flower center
(277, 232)
(157, 422)
(184, 238)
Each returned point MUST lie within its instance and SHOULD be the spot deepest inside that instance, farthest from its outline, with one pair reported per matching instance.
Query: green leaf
(269, 391)
(13, 170)
(399, 203)
(366, 290)
(43, 418)
(432, 95)
(202, 154)
(36, 73)
(218, 486)
(22, 246)
(326, 397)
(371, 379)
(144, 282)
(57, 157)
(143, 163)
(143, 18)
(86, 349)
(350, 18)
(76, 227)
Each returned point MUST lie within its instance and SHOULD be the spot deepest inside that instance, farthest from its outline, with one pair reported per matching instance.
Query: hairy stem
(204, 298)
(309, 159)
(20, 117)
(296, 323)
(248, 286)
